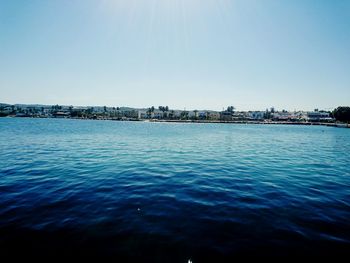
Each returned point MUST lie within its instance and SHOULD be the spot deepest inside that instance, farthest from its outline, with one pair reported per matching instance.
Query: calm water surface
(158, 192)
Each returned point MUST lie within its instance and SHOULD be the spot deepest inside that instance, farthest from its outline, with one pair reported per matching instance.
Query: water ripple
(179, 191)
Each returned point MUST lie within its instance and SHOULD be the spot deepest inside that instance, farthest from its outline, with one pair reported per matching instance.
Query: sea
(172, 192)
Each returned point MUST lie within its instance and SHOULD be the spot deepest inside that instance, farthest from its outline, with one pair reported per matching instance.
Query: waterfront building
(226, 115)
(319, 116)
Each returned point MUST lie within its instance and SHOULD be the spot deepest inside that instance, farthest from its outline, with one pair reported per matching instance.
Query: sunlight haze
(186, 54)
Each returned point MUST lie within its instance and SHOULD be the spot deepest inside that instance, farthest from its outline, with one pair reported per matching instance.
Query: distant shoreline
(328, 124)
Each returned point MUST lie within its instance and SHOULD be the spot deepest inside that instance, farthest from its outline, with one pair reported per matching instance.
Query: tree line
(342, 114)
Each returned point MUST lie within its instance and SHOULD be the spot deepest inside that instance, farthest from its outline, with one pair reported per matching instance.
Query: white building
(318, 116)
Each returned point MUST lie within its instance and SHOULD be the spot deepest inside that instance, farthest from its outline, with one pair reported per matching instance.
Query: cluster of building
(317, 116)
(162, 113)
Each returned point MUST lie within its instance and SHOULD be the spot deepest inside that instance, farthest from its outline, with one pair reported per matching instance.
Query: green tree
(184, 115)
(267, 114)
(89, 111)
(164, 109)
(342, 114)
(150, 111)
(230, 109)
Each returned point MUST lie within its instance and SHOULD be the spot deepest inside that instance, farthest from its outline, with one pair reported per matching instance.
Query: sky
(193, 54)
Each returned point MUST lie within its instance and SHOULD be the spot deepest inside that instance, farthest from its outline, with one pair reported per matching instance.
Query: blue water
(162, 192)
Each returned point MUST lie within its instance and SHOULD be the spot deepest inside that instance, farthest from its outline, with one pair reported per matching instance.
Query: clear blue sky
(198, 54)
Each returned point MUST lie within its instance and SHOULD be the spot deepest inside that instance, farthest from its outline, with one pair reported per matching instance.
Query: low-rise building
(226, 115)
(214, 115)
(319, 116)
(282, 116)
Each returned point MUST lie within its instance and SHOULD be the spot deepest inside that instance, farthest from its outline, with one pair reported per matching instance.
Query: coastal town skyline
(338, 117)
(229, 113)
(218, 108)
(193, 54)
(180, 108)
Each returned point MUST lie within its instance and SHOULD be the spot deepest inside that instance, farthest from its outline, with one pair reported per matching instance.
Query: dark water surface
(157, 192)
